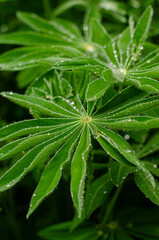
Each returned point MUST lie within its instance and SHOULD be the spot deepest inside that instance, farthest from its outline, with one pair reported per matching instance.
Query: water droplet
(141, 47)
(127, 137)
(128, 151)
(155, 165)
(85, 28)
(96, 135)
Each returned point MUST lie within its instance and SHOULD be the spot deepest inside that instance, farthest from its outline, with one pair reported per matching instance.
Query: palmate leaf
(120, 56)
(96, 193)
(61, 231)
(66, 132)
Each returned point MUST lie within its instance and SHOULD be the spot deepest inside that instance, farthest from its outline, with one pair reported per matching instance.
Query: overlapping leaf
(65, 48)
(66, 132)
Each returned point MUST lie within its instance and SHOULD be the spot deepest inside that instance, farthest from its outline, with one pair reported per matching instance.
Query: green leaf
(151, 58)
(52, 173)
(152, 167)
(27, 127)
(147, 185)
(108, 146)
(96, 89)
(119, 172)
(61, 231)
(145, 83)
(32, 38)
(121, 145)
(96, 193)
(69, 64)
(79, 169)
(22, 58)
(142, 27)
(151, 146)
(21, 145)
(127, 96)
(122, 236)
(67, 5)
(133, 108)
(99, 34)
(26, 76)
(50, 27)
(130, 123)
(39, 153)
(123, 44)
(43, 106)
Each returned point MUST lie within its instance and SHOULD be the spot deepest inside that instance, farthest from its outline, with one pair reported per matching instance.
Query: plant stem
(47, 8)
(111, 205)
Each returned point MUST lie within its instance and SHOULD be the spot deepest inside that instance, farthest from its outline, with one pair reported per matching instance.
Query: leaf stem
(47, 8)
(111, 205)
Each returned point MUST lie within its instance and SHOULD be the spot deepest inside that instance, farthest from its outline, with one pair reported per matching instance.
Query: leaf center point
(86, 119)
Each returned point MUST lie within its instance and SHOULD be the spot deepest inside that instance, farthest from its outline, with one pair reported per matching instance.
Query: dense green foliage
(93, 124)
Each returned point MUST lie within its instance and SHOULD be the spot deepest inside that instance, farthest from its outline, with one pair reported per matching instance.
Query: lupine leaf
(32, 38)
(128, 95)
(99, 34)
(151, 146)
(39, 153)
(151, 58)
(32, 126)
(21, 58)
(134, 108)
(26, 143)
(109, 147)
(96, 89)
(152, 167)
(121, 145)
(142, 27)
(96, 193)
(66, 5)
(118, 172)
(147, 186)
(52, 173)
(50, 27)
(68, 64)
(130, 123)
(61, 231)
(145, 83)
(43, 106)
(123, 44)
(79, 169)
(121, 235)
